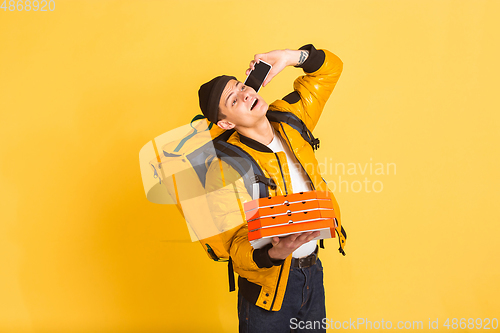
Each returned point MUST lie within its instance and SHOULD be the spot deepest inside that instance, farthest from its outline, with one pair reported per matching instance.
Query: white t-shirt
(300, 183)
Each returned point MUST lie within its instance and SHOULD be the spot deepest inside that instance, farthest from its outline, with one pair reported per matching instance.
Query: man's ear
(225, 125)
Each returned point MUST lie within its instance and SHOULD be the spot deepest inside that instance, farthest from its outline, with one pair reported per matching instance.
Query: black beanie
(209, 96)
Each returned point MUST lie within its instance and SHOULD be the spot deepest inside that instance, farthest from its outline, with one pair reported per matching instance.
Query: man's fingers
(259, 56)
(294, 237)
(299, 238)
(251, 67)
(296, 240)
(303, 236)
(307, 236)
(312, 236)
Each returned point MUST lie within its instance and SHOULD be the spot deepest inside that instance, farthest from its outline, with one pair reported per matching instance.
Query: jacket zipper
(277, 285)
(291, 149)
(281, 269)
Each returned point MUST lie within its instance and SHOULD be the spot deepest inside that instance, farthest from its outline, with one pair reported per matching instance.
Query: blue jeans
(303, 307)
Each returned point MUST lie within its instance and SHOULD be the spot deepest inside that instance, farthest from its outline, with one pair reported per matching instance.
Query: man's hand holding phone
(278, 59)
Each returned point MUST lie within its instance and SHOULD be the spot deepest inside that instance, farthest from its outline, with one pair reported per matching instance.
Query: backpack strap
(243, 162)
(342, 238)
(296, 123)
(198, 157)
(236, 157)
(230, 272)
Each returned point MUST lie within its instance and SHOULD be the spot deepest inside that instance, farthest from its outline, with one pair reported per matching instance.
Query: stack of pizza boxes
(288, 214)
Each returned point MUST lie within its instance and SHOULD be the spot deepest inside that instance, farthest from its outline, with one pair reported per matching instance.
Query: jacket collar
(254, 144)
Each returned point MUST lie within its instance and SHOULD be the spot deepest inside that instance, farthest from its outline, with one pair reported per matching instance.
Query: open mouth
(254, 104)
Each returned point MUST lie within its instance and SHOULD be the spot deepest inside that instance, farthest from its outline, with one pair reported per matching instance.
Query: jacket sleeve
(226, 194)
(311, 91)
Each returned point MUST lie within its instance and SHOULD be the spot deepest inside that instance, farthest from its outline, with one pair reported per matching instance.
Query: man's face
(242, 106)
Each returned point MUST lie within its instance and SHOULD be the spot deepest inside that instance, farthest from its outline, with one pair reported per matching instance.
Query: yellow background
(84, 87)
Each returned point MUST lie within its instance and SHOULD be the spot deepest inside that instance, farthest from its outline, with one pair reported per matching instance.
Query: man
(282, 283)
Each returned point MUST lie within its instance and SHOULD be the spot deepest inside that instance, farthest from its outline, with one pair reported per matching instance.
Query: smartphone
(258, 75)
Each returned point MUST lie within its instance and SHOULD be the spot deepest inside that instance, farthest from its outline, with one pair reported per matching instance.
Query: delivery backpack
(174, 167)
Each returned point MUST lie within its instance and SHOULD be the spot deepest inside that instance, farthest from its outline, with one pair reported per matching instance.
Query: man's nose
(246, 95)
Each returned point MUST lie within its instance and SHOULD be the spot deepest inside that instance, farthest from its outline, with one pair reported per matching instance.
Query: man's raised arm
(311, 91)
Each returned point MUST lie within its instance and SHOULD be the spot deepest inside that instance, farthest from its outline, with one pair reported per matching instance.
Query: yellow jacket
(261, 280)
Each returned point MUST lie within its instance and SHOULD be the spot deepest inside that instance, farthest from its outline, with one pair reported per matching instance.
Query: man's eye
(234, 102)
(243, 87)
